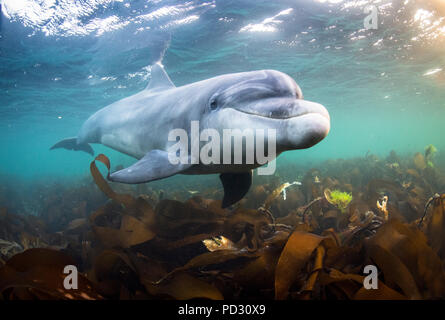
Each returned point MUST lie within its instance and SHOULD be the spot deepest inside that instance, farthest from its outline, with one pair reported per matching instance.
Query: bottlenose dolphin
(139, 125)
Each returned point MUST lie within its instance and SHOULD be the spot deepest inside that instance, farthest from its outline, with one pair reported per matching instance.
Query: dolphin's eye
(213, 104)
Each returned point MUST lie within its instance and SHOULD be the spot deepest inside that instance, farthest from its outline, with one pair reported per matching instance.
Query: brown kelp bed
(308, 239)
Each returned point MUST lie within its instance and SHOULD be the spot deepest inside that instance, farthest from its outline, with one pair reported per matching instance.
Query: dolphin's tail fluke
(71, 144)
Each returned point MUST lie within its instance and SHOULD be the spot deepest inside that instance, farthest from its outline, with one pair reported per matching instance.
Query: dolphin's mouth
(276, 116)
(283, 109)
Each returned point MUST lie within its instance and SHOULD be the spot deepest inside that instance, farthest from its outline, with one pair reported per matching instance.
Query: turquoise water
(61, 61)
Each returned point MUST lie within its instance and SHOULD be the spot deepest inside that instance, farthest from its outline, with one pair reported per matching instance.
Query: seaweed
(339, 199)
(284, 241)
(430, 152)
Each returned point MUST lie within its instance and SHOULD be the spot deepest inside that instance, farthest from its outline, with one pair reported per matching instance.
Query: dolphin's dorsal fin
(159, 79)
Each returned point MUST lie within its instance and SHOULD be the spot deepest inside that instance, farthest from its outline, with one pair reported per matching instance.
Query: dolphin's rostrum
(140, 124)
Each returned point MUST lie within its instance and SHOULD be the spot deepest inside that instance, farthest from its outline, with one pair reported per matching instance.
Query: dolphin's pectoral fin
(71, 144)
(153, 166)
(235, 186)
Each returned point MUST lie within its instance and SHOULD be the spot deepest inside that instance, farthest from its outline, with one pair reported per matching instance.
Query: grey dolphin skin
(139, 125)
